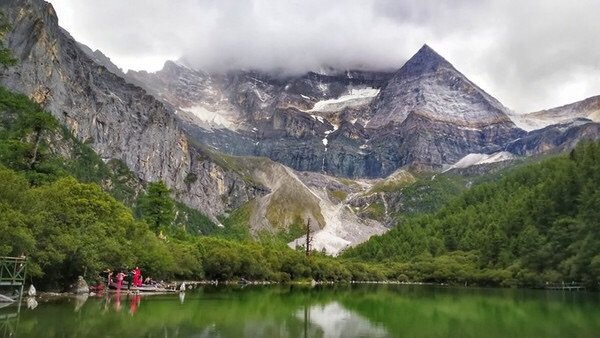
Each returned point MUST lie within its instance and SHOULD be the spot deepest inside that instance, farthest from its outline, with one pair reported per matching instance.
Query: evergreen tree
(157, 207)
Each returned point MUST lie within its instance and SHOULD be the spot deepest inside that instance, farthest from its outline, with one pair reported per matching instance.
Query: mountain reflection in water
(323, 311)
(332, 320)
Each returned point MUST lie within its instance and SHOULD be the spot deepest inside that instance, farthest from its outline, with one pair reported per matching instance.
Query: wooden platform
(142, 289)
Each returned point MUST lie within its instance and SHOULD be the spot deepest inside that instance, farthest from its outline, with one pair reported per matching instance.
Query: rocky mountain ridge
(333, 123)
(588, 109)
(427, 84)
(120, 120)
(279, 144)
(117, 119)
(425, 116)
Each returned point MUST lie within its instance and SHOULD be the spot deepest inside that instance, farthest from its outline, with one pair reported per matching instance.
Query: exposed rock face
(99, 58)
(585, 109)
(429, 115)
(119, 120)
(425, 143)
(356, 124)
(285, 118)
(555, 138)
(429, 85)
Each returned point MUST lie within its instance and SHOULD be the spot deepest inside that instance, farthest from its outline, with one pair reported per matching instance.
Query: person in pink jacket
(120, 277)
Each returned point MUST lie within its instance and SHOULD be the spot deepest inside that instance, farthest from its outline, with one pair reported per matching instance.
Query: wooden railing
(13, 270)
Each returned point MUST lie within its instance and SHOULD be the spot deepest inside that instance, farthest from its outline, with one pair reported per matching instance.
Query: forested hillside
(539, 223)
(72, 213)
(56, 207)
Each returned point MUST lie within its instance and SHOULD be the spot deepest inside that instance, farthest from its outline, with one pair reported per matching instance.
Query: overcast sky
(530, 54)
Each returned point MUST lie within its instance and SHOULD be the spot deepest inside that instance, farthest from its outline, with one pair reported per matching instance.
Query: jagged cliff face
(310, 122)
(555, 138)
(430, 86)
(427, 115)
(119, 120)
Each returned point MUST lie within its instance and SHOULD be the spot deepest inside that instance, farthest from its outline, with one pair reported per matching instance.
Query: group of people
(133, 277)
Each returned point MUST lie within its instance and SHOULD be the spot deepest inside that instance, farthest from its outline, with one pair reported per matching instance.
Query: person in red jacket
(137, 277)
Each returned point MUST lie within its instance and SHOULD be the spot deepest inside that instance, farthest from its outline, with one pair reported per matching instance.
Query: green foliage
(236, 226)
(69, 229)
(80, 229)
(428, 194)
(193, 222)
(340, 195)
(156, 207)
(6, 58)
(32, 143)
(537, 223)
(293, 231)
(375, 210)
(15, 235)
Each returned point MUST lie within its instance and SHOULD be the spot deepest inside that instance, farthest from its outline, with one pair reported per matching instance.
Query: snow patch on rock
(535, 121)
(356, 97)
(578, 111)
(213, 119)
(318, 118)
(478, 159)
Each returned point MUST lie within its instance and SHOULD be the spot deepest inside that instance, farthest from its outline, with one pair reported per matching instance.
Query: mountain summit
(430, 86)
(426, 60)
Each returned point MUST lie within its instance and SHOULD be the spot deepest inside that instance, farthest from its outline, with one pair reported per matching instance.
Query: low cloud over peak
(530, 55)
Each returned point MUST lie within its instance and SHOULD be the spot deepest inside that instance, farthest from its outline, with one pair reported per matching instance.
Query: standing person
(120, 277)
(137, 277)
(109, 277)
(129, 279)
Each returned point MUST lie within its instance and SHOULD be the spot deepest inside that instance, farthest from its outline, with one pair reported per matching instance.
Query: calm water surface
(348, 311)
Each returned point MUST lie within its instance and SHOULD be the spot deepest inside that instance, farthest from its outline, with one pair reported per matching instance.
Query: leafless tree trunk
(38, 139)
(308, 238)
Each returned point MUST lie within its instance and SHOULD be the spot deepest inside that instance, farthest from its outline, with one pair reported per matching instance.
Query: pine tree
(157, 207)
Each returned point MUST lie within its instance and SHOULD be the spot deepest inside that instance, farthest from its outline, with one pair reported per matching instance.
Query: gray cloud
(529, 54)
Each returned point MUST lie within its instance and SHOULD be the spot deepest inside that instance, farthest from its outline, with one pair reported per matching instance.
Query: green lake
(322, 311)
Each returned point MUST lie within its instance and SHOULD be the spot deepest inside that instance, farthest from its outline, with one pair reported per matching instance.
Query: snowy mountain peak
(426, 60)
(428, 85)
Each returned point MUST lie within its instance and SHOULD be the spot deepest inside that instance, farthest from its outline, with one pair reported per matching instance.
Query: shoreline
(192, 285)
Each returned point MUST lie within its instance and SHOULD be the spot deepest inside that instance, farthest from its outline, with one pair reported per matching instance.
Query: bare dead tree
(309, 238)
